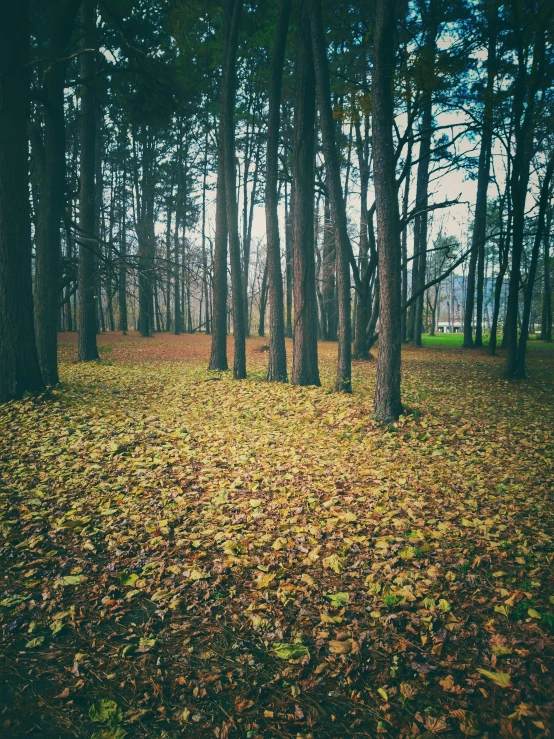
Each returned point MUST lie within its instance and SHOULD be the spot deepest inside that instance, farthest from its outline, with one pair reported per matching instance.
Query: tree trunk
(233, 10)
(205, 286)
(361, 350)
(277, 365)
(218, 357)
(168, 265)
(19, 366)
(52, 190)
(263, 306)
(525, 91)
(387, 405)
(405, 203)
(122, 283)
(289, 262)
(476, 261)
(328, 278)
(343, 381)
(86, 316)
(543, 201)
(146, 237)
(422, 184)
(546, 319)
(304, 360)
(99, 219)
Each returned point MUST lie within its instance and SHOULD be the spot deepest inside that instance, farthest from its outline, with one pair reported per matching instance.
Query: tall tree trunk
(86, 317)
(52, 189)
(168, 265)
(305, 369)
(205, 284)
(343, 381)
(109, 279)
(476, 261)
(289, 262)
(263, 303)
(177, 325)
(277, 365)
(387, 405)
(218, 356)
(405, 204)
(361, 350)
(543, 202)
(248, 241)
(328, 278)
(122, 282)
(146, 238)
(546, 318)
(525, 91)
(233, 9)
(99, 218)
(422, 184)
(247, 205)
(19, 366)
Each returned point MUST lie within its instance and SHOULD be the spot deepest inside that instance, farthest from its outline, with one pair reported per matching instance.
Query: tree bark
(122, 280)
(86, 316)
(387, 404)
(543, 202)
(62, 15)
(525, 91)
(343, 381)
(405, 203)
(146, 237)
(422, 183)
(546, 318)
(277, 365)
(476, 261)
(205, 285)
(19, 366)
(263, 306)
(233, 10)
(168, 266)
(361, 350)
(328, 278)
(305, 369)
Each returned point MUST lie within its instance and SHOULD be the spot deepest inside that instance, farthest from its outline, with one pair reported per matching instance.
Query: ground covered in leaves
(184, 555)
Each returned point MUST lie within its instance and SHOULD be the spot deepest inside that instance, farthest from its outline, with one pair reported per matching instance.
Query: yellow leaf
(334, 563)
(502, 679)
(263, 581)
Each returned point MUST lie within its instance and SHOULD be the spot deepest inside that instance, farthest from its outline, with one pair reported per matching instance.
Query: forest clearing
(202, 557)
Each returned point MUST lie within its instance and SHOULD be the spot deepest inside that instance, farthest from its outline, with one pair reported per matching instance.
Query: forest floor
(184, 555)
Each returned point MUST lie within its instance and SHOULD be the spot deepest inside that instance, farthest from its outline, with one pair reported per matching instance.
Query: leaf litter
(249, 559)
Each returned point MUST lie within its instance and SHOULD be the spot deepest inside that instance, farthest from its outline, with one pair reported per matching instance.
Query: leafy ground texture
(185, 555)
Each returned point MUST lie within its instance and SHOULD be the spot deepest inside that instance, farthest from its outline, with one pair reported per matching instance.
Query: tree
(528, 294)
(343, 247)
(88, 243)
(233, 10)
(19, 367)
(546, 318)
(305, 369)
(529, 31)
(277, 367)
(476, 261)
(428, 61)
(387, 404)
(49, 157)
